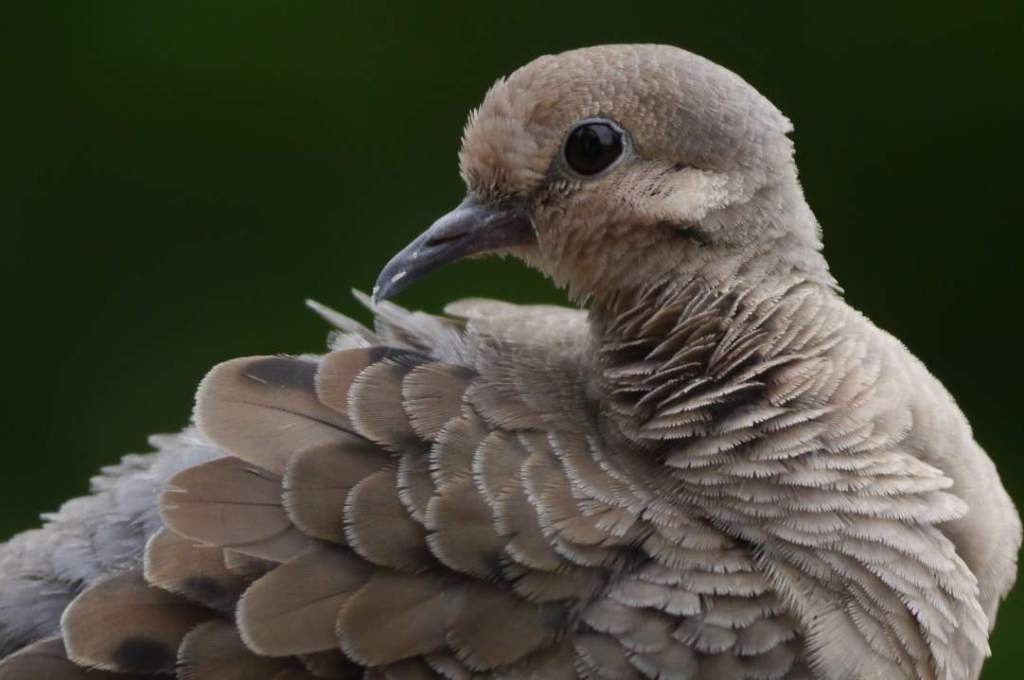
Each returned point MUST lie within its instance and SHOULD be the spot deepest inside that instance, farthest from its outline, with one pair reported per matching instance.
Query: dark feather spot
(553, 616)
(207, 591)
(143, 655)
(692, 232)
(402, 357)
(495, 564)
(284, 372)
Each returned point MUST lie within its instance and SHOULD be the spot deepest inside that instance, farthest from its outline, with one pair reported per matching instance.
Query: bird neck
(769, 409)
(658, 346)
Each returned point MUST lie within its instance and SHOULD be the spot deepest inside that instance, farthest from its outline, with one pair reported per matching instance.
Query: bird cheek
(687, 197)
(547, 218)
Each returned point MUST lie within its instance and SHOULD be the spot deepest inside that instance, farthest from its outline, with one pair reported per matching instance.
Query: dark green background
(179, 177)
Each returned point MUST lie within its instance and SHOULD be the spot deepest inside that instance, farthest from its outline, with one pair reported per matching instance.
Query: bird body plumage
(720, 471)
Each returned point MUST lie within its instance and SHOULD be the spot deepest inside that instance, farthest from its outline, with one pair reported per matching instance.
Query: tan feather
(215, 651)
(263, 409)
(603, 658)
(556, 662)
(516, 517)
(249, 568)
(586, 474)
(495, 628)
(122, 624)
(502, 407)
(577, 584)
(197, 571)
(337, 372)
(776, 662)
(704, 637)
(612, 617)
(230, 503)
(674, 661)
(432, 395)
(446, 665)
(47, 660)
(375, 405)
(292, 610)
(380, 529)
(495, 463)
(653, 635)
(462, 532)
(332, 665)
(397, 616)
(451, 455)
(318, 480)
(415, 486)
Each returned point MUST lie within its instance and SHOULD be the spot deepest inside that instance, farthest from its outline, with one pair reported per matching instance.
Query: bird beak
(472, 227)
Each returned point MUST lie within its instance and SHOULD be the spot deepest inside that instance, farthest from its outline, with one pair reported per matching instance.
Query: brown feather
(675, 661)
(495, 628)
(446, 665)
(580, 584)
(603, 658)
(451, 456)
(495, 463)
(123, 624)
(183, 566)
(556, 662)
(380, 529)
(263, 409)
(396, 616)
(332, 665)
(462, 531)
(248, 567)
(375, 406)
(230, 503)
(215, 651)
(338, 370)
(502, 407)
(516, 517)
(432, 395)
(47, 660)
(415, 486)
(292, 610)
(318, 480)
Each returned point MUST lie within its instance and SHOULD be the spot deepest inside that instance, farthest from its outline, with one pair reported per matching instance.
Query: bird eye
(593, 146)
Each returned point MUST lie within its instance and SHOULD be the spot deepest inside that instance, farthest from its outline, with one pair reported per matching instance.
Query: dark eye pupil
(592, 147)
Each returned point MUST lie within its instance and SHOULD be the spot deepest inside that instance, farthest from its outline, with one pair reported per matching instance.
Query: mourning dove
(718, 469)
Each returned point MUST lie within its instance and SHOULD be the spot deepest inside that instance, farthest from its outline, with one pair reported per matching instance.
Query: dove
(710, 466)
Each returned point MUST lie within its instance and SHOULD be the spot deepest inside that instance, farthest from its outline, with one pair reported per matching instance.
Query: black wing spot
(208, 591)
(284, 372)
(143, 655)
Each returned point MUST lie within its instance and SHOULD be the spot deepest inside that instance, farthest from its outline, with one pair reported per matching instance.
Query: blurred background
(180, 176)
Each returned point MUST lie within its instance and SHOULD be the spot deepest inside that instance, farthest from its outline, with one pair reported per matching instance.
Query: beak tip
(381, 291)
(388, 284)
(470, 228)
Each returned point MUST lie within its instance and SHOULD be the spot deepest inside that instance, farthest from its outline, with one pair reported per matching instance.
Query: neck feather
(673, 352)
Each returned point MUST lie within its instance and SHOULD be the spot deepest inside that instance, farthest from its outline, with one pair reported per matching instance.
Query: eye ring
(593, 146)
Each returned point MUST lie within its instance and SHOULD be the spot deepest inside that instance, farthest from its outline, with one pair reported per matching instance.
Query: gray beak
(472, 227)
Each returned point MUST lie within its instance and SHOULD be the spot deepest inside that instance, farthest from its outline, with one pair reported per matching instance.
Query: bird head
(616, 166)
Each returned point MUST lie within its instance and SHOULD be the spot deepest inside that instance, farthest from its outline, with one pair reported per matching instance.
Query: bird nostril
(441, 240)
